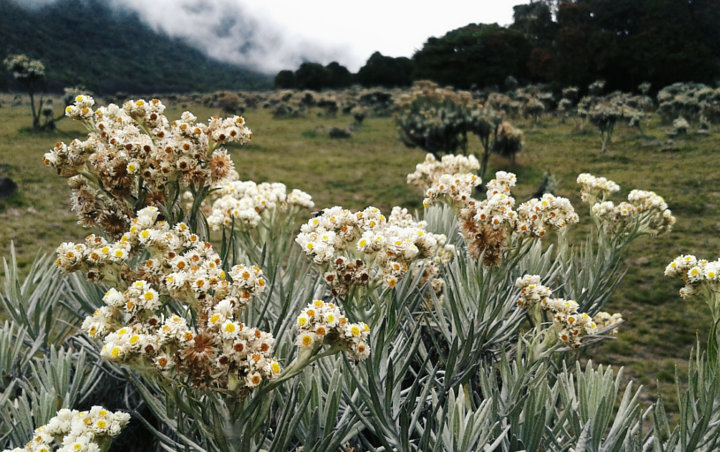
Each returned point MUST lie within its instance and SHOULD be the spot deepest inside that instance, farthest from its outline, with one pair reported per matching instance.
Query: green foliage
(41, 371)
(312, 76)
(315, 76)
(474, 55)
(340, 76)
(285, 80)
(381, 70)
(624, 42)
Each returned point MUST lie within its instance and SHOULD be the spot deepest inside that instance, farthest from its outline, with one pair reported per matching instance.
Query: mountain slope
(84, 42)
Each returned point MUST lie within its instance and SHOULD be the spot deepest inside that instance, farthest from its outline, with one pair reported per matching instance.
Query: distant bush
(533, 108)
(680, 126)
(508, 141)
(433, 118)
(230, 103)
(438, 120)
(604, 112)
(690, 100)
(30, 74)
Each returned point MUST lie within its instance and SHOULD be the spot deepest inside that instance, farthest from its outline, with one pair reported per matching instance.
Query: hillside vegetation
(87, 43)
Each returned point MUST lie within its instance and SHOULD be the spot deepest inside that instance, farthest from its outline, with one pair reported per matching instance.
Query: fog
(270, 35)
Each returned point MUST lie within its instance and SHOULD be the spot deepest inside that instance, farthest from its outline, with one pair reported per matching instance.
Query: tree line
(562, 43)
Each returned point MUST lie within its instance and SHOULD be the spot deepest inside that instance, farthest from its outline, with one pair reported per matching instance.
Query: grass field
(370, 169)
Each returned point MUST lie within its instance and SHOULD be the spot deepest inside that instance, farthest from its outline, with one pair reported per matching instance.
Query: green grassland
(370, 169)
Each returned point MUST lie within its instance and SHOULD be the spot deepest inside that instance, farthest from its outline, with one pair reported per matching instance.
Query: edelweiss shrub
(323, 324)
(29, 74)
(176, 313)
(568, 325)
(73, 430)
(595, 189)
(605, 112)
(431, 169)
(533, 108)
(680, 126)
(433, 118)
(604, 116)
(571, 93)
(689, 100)
(220, 350)
(134, 157)
(644, 212)
(365, 248)
(701, 277)
(179, 314)
(508, 140)
(24, 69)
(245, 203)
(489, 226)
(503, 103)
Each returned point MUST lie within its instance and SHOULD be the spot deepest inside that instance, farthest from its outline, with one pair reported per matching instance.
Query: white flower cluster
(431, 169)
(497, 208)
(594, 188)
(487, 225)
(549, 213)
(532, 292)
(322, 323)
(24, 68)
(81, 108)
(361, 247)
(680, 125)
(456, 189)
(245, 202)
(606, 321)
(571, 325)
(134, 152)
(73, 430)
(698, 274)
(502, 183)
(644, 209)
(204, 343)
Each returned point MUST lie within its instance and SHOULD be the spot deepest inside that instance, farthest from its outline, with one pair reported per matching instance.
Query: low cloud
(227, 30)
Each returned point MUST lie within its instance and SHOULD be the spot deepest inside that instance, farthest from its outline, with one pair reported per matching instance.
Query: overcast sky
(393, 27)
(270, 35)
